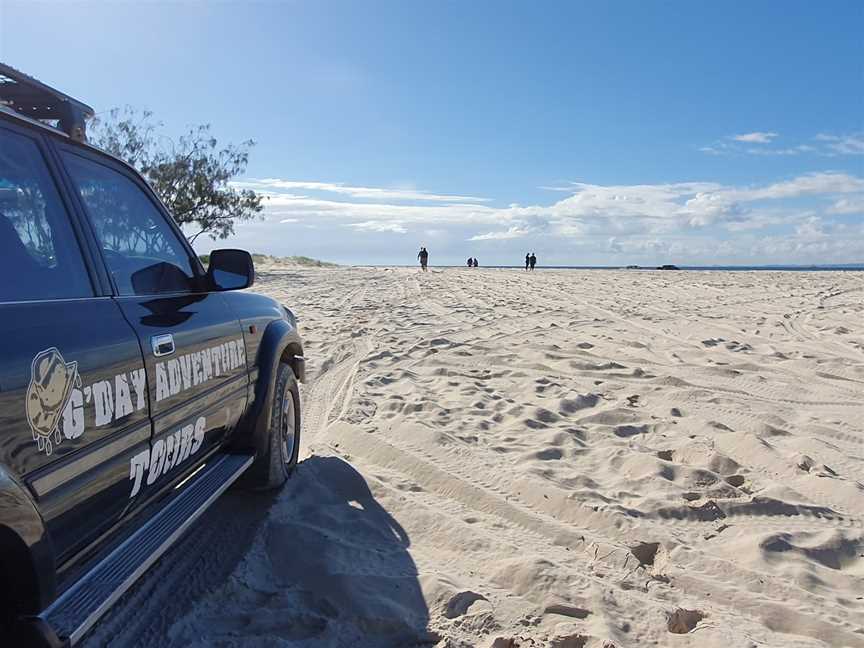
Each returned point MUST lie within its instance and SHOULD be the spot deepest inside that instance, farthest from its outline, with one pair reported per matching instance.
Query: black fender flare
(27, 557)
(279, 342)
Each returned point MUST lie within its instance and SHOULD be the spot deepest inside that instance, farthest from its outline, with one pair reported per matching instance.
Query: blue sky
(588, 132)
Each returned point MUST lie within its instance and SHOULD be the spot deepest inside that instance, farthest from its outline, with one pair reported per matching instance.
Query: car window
(39, 254)
(142, 251)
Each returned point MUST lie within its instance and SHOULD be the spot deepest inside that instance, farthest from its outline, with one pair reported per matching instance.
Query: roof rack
(31, 98)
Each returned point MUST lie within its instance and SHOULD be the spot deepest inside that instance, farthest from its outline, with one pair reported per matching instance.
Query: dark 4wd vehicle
(135, 386)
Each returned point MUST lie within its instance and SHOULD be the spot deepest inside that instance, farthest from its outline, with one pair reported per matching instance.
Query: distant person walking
(527, 261)
(423, 255)
(475, 262)
(532, 260)
(470, 262)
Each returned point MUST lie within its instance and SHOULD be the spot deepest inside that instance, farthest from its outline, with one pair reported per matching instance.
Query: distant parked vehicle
(668, 267)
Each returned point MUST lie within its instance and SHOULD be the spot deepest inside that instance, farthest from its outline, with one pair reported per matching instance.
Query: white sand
(483, 448)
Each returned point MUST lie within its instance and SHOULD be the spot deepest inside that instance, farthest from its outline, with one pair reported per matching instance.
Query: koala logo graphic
(52, 380)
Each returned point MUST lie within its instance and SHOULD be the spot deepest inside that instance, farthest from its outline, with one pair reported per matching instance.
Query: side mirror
(230, 270)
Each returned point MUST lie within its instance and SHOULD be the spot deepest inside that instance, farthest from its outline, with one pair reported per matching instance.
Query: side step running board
(75, 612)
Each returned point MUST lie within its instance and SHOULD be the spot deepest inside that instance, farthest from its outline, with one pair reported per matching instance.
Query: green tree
(192, 174)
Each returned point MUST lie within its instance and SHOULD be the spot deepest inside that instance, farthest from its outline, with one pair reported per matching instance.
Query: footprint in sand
(645, 552)
(460, 603)
(682, 621)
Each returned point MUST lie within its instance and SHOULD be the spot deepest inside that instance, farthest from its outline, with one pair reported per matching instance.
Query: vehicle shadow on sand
(320, 563)
(329, 566)
(332, 544)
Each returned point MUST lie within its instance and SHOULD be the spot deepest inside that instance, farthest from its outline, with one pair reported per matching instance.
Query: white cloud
(843, 144)
(566, 187)
(823, 144)
(853, 205)
(569, 228)
(815, 241)
(590, 209)
(811, 229)
(712, 150)
(267, 185)
(376, 226)
(827, 182)
(320, 209)
(757, 137)
(687, 220)
(642, 246)
(511, 233)
(789, 150)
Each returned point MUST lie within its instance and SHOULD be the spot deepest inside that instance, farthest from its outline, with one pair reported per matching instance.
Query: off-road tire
(277, 458)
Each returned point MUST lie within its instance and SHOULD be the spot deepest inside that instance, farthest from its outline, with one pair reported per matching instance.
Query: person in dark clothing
(423, 255)
(475, 262)
(527, 261)
(532, 260)
(470, 262)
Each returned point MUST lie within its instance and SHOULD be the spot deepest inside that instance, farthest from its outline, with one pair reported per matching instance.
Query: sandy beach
(563, 458)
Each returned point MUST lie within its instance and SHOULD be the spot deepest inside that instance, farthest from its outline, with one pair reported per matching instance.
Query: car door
(193, 345)
(73, 401)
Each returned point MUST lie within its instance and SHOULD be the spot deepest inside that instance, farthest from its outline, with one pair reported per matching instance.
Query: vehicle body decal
(166, 454)
(56, 399)
(184, 372)
(52, 380)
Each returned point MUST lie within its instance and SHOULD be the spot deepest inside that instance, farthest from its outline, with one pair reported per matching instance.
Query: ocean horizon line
(845, 267)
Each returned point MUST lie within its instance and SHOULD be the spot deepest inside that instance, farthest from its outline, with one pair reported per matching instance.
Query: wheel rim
(287, 431)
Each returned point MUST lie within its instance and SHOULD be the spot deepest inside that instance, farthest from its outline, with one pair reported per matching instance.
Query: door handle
(162, 344)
